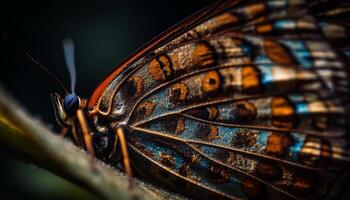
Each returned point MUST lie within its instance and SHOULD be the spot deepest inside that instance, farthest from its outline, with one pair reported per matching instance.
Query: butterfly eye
(71, 104)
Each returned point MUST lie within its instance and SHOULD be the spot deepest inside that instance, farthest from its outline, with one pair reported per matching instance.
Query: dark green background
(104, 32)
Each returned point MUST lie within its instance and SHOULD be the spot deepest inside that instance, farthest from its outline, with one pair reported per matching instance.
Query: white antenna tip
(68, 48)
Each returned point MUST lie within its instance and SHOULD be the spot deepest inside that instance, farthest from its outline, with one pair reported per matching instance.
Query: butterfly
(242, 100)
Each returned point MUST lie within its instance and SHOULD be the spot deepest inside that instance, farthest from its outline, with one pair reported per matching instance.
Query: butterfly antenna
(68, 48)
(31, 58)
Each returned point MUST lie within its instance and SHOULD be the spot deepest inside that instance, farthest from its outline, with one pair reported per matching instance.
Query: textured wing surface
(252, 103)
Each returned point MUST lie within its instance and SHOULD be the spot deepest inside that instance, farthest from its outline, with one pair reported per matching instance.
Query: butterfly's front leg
(86, 132)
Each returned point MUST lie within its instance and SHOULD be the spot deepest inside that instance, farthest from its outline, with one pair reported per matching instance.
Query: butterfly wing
(149, 48)
(249, 100)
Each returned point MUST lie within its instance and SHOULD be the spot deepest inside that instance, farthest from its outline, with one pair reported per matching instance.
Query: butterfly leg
(125, 157)
(76, 138)
(115, 145)
(125, 153)
(86, 133)
(64, 132)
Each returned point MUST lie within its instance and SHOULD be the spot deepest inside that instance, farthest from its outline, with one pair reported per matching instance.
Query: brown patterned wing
(251, 102)
(148, 49)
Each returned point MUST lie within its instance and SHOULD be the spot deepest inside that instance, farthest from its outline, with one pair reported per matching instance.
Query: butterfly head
(71, 104)
(66, 108)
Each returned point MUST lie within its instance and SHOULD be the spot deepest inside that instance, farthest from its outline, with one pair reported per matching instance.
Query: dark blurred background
(104, 32)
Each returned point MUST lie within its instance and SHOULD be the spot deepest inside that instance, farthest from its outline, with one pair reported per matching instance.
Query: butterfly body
(246, 100)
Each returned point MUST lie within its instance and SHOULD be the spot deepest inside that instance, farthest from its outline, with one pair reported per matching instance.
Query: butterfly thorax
(99, 127)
